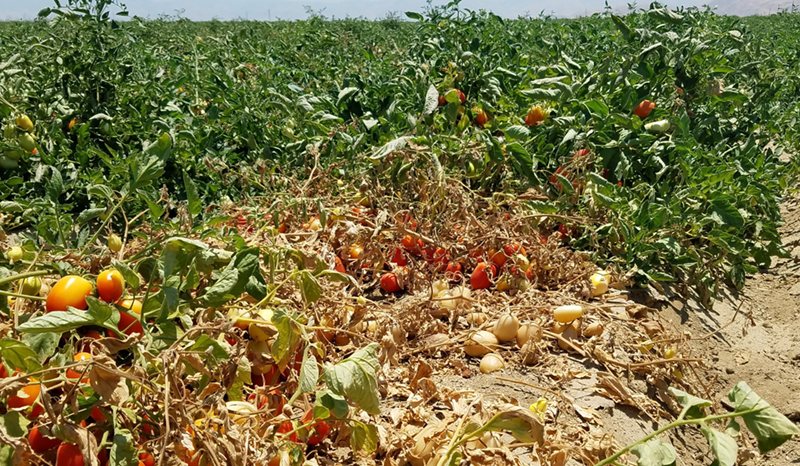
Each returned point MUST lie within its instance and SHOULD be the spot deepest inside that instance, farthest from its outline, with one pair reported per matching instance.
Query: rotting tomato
(318, 431)
(110, 285)
(482, 276)
(70, 291)
(69, 455)
(39, 443)
(266, 377)
(644, 108)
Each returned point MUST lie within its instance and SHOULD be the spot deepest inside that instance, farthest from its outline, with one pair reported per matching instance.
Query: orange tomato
(644, 108)
(355, 251)
(412, 246)
(69, 455)
(535, 116)
(71, 290)
(39, 443)
(133, 305)
(110, 285)
(26, 396)
(76, 374)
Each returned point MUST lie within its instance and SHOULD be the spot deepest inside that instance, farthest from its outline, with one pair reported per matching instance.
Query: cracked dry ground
(748, 336)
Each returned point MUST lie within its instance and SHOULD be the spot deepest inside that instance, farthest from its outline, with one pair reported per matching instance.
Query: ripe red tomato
(339, 265)
(644, 108)
(69, 455)
(26, 396)
(129, 324)
(75, 374)
(441, 258)
(513, 249)
(97, 415)
(146, 459)
(90, 335)
(461, 96)
(40, 443)
(580, 153)
(318, 431)
(287, 427)
(110, 285)
(453, 272)
(71, 290)
(559, 171)
(442, 101)
(399, 257)
(482, 276)
(389, 283)
(481, 118)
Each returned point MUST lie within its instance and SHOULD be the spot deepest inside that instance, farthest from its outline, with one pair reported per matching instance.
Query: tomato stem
(35, 273)
(24, 296)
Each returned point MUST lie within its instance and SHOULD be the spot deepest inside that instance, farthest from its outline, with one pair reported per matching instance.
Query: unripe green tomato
(9, 131)
(104, 215)
(12, 154)
(31, 286)
(288, 132)
(26, 141)
(15, 254)
(7, 163)
(114, 243)
(24, 123)
(105, 128)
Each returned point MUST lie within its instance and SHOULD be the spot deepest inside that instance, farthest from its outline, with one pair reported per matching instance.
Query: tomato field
(273, 243)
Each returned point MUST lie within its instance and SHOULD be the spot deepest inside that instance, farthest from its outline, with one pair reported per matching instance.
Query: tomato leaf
(655, 453)
(431, 100)
(131, 277)
(309, 287)
(520, 422)
(288, 340)
(208, 346)
(771, 428)
(363, 437)
(99, 313)
(356, 378)
(19, 356)
(691, 404)
(193, 199)
(123, 450)
(724, 447)
(44, 344)
(15, 424)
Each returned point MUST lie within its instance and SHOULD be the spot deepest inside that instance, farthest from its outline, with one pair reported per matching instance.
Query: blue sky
(295, 9)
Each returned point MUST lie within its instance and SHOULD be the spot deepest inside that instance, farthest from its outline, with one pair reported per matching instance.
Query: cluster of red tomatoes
(72, 291)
